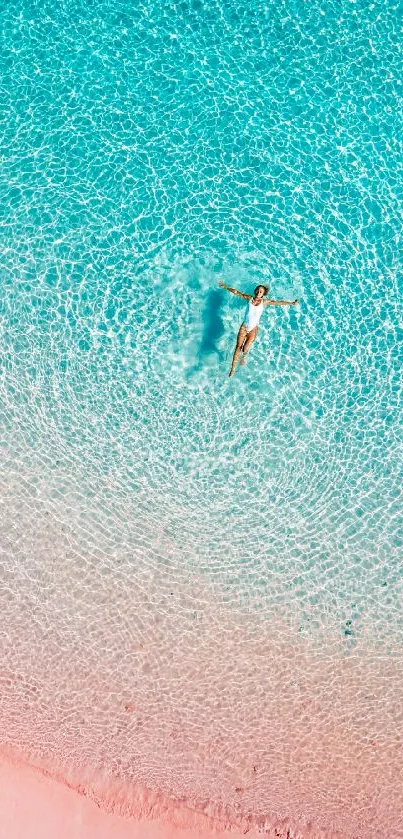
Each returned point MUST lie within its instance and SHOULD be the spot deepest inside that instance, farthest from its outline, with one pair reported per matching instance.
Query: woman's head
(260, 291)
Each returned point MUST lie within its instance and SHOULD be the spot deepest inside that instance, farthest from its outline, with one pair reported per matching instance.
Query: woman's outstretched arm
(235, 291)
(280, 302)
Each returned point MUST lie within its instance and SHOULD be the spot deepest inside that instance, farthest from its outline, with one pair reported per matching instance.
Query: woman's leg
(248, 343)
(242, 337)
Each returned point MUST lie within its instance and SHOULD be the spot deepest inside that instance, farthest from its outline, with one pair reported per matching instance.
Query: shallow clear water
(147, 154)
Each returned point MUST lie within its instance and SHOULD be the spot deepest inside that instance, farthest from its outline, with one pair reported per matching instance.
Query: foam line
(33, 805)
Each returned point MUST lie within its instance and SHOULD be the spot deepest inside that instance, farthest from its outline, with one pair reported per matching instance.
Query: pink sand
(35, 806)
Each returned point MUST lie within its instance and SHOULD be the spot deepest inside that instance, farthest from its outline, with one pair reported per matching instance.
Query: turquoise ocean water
(149, 151)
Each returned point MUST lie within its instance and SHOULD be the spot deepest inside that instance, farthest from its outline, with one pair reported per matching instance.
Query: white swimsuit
(252, 315)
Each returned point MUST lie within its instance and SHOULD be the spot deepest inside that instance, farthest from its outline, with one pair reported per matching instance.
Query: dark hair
(264, 287)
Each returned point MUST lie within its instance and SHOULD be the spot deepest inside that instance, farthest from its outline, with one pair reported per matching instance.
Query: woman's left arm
(280, 302)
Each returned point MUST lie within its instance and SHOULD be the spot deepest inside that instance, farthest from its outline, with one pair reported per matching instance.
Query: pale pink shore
(35, 806)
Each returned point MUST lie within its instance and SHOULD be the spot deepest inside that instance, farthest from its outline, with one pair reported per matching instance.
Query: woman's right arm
(235, 291)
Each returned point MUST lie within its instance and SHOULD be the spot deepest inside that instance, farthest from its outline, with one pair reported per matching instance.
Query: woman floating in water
(248, 329)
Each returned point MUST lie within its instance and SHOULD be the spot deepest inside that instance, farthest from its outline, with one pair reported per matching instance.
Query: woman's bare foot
(243, 359)
(231, 372)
